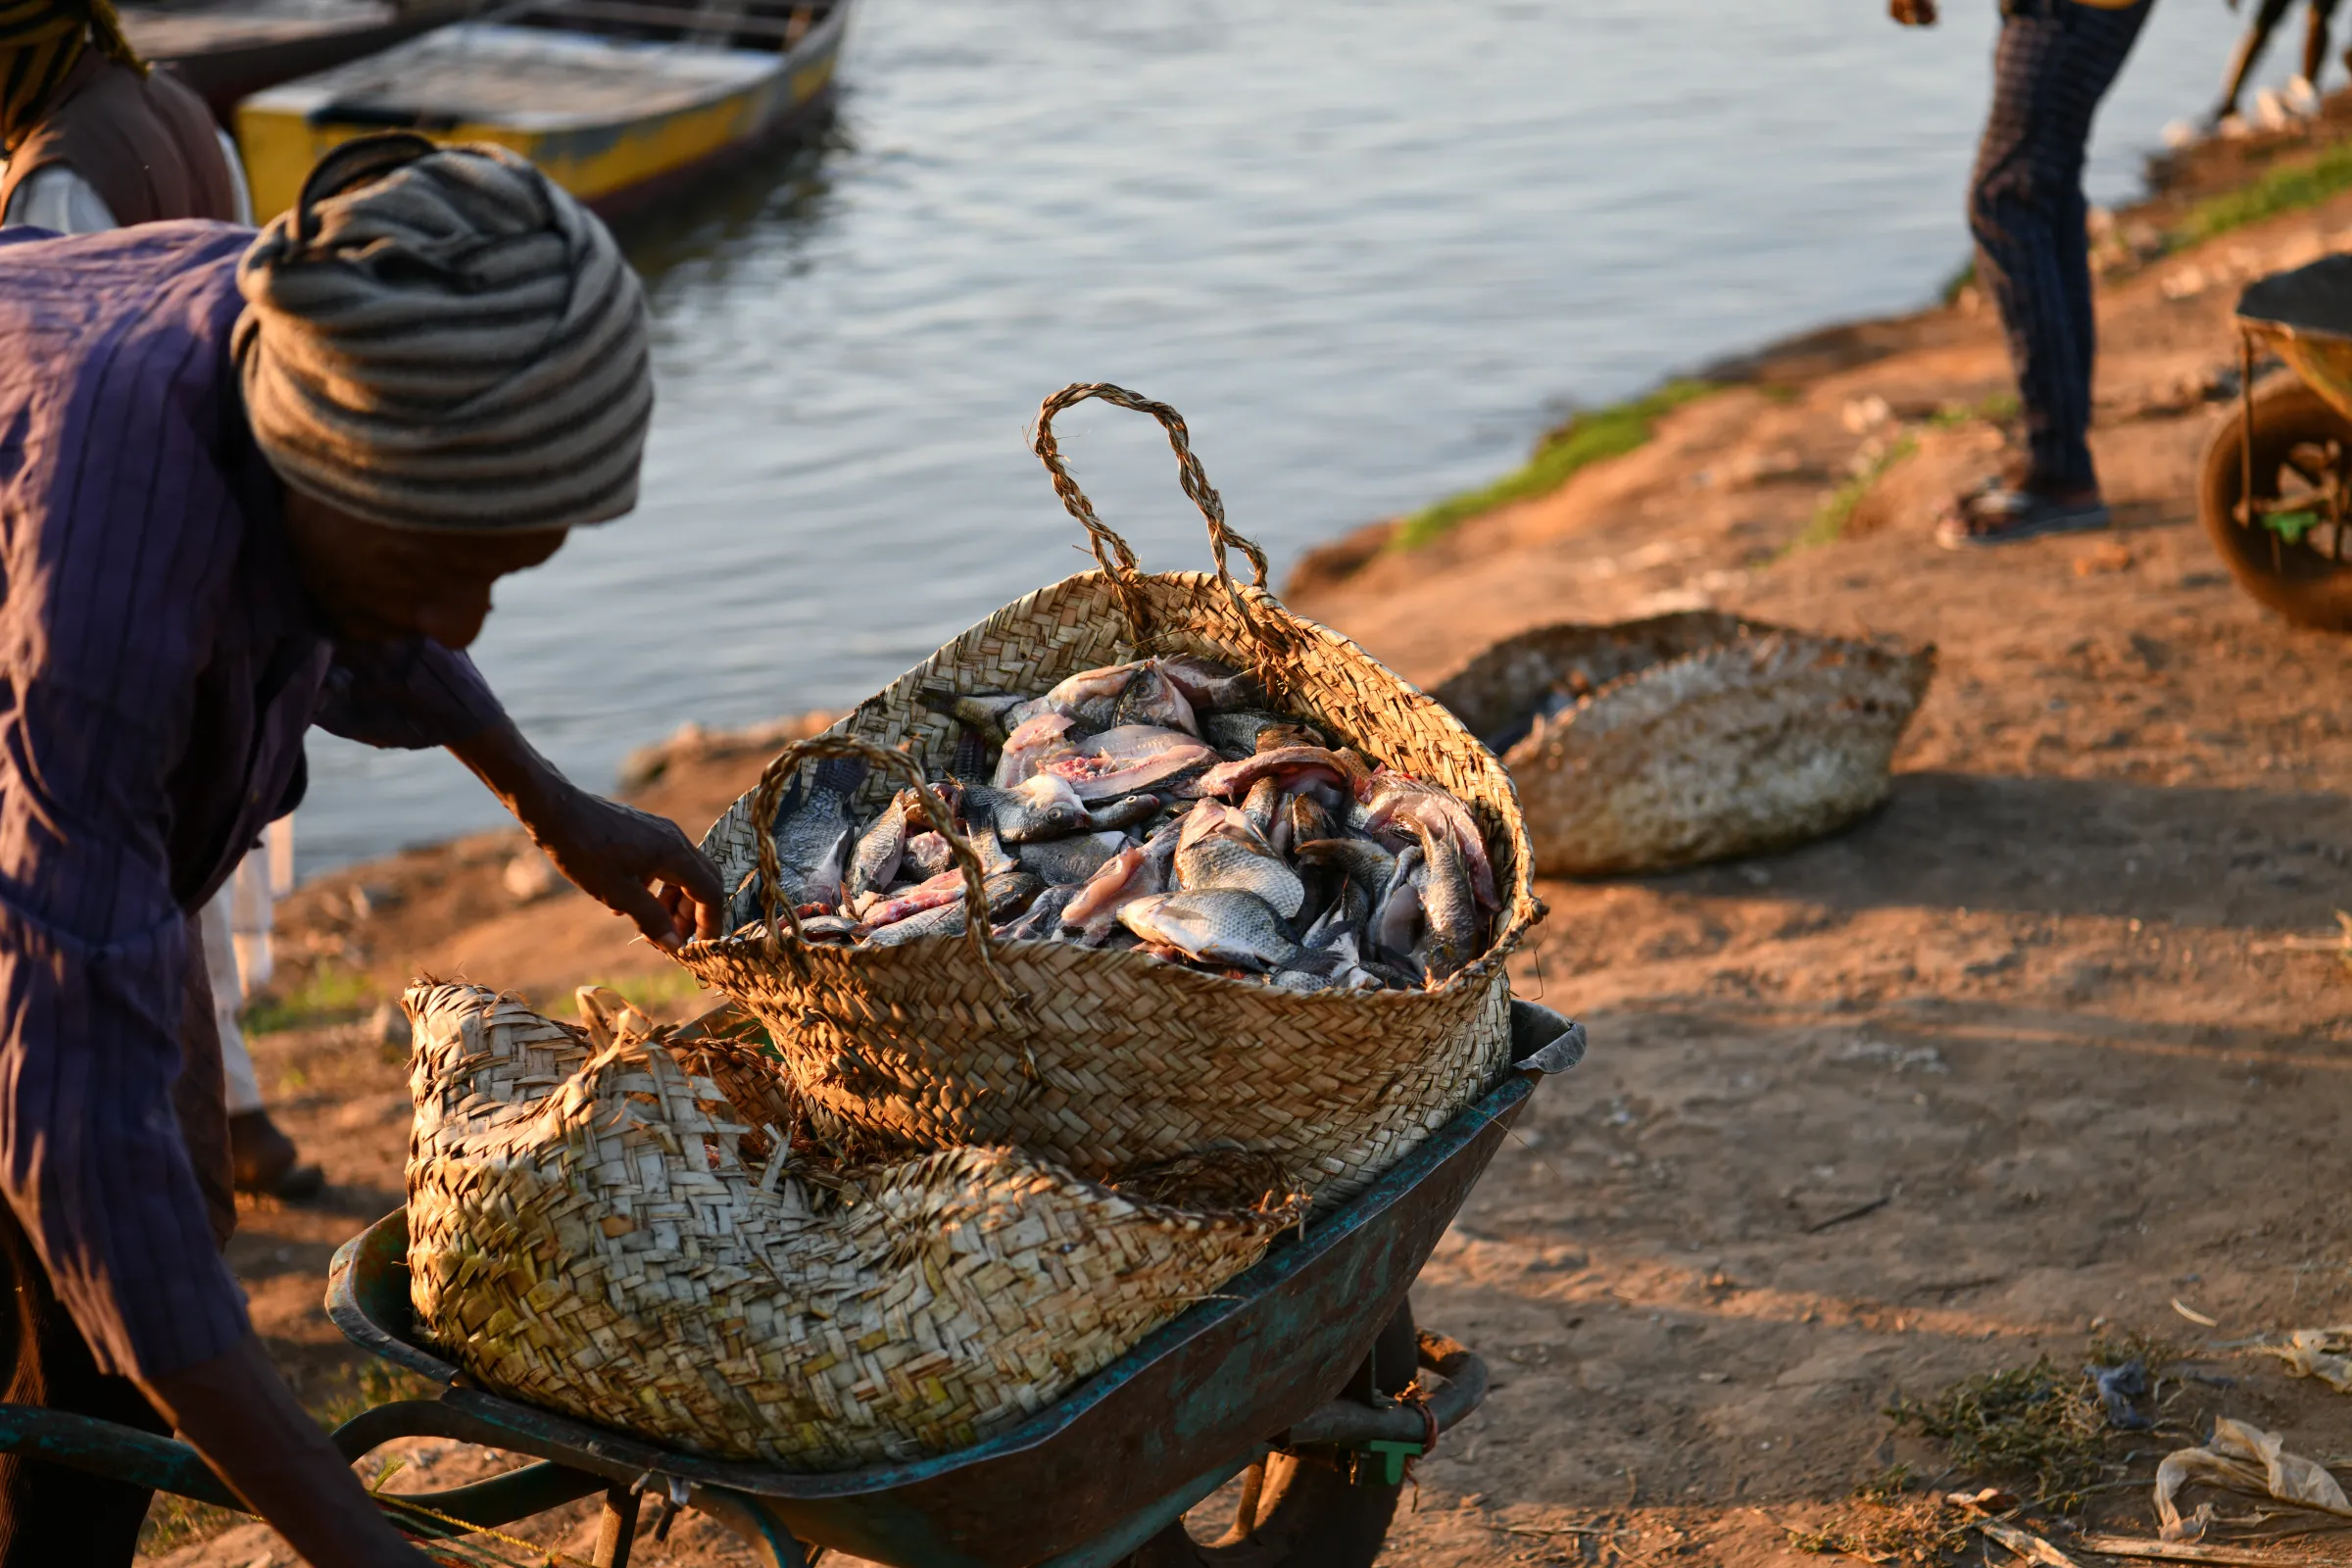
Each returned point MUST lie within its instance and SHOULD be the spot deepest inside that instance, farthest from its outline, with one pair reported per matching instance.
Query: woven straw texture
(602, 1232)
(1702, 735)
(1106, 1061)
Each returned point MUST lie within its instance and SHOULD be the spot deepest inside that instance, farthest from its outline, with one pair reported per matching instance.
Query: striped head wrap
(40, 40)
(440, 337)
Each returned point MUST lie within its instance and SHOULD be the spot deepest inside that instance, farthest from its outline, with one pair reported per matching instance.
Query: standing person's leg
(50, 1515)
(2055, 59)
(2315, 40)
(2267, 18)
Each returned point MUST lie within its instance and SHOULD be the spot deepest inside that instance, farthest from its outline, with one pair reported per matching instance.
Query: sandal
(1999, 514)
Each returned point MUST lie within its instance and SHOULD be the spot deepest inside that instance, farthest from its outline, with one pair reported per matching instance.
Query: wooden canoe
(617, 100)
(227, 49)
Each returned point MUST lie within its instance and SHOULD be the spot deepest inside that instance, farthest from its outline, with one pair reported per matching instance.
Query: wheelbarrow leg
(618, 1530)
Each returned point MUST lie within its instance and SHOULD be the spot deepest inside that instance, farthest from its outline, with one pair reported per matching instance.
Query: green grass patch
(327, 995)
(2283, 187)
(1829, 520)
(1589, 438)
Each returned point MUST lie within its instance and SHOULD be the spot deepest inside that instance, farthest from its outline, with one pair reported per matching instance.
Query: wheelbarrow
(2275, 493)
(1304, 1379)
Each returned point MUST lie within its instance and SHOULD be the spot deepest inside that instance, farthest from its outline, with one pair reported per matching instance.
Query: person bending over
(249, 485)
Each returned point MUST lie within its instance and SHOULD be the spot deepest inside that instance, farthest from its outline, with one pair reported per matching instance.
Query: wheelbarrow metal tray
(1194, 1400)
(2306, 315)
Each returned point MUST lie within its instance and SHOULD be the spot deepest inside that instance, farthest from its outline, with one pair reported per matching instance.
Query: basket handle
(771, 793)
(1112, 553)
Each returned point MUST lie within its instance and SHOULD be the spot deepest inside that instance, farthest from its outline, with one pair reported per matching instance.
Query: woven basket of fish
(1687, 737)
(1141, 868)
(641, 1228)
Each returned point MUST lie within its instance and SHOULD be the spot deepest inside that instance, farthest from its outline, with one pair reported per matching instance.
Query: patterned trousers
(2054, 63)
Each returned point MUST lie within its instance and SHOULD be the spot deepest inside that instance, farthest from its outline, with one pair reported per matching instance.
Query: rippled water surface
(1369, 248)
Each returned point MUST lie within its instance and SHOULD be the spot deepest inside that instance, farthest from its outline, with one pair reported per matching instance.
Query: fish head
(1150, 698)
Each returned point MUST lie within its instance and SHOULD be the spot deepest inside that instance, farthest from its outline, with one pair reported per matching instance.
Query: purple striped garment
(159, 663)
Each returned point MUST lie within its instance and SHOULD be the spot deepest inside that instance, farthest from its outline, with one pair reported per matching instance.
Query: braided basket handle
(771, 794)
(1112, 553)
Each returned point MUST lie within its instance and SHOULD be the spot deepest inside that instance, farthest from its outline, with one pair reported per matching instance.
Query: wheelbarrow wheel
(1308, 1514)
(2302, 447)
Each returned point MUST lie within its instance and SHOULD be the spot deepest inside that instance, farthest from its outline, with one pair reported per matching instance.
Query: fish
(875, 862)
(1068, 862)
(1261, 803)
(1090, 697)
(1366, 865)
(1221, 847)
(969, 762)
(1301, 819)
(1291, 764)
(1008, 895)
(1215, 925)
(813, 928)
(1036, 742)
(1397, 912)
(1236, 732)
(1042, 920)
(1135, 872)
(1131, 763)
(1384, 797)
(1152, 698)
(1043, 806)
(1124, 811)
(1206, 683)
(813, 838)
(928, 853)
(1447, 905)
(1341, 928)
(877, 913)
(984, 712)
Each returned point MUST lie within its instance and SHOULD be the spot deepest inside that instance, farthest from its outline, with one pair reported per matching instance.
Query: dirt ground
(2044, 1046)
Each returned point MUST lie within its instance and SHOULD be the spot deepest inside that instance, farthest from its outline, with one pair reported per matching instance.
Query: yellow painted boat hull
(613, 121)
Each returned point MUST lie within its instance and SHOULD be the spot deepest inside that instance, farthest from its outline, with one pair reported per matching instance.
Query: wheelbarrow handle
(1350, 1423)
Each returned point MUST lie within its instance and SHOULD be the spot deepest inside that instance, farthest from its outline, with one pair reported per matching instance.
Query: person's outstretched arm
(245, 1422)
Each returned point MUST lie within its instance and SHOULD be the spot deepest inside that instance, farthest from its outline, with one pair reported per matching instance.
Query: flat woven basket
(586, 1233)
(1700, 735)
(1108, 1061)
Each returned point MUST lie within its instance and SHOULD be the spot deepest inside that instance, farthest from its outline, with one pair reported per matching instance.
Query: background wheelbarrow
(1304, 1378)
(2275, 494)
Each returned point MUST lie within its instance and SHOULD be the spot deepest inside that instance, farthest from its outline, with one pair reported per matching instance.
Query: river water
(1369, 248)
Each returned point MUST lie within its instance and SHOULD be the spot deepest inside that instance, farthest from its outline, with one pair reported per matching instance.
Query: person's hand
(633, 862)
(1922, 13)
(240, 1416)
(630, 861)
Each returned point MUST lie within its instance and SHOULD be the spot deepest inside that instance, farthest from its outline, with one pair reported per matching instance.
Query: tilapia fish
(1207, 684)
(1129, 759)
(984, 712)
(1069, 862)
(1215, 925)
(1384, 798)
(1036, 742)
(1220, 848)
(1136, 872)
(1294, 766)
(874, 863)
(814, 839)
(1043, 806)
(1449, 906)
(1238, 731)
(1008, 895)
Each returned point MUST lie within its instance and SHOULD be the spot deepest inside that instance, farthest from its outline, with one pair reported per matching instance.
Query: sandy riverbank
(2039, 1011)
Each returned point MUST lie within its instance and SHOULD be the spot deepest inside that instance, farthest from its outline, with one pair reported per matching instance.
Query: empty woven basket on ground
(1108, 1060)
(1686, 737)
(604, 1232)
